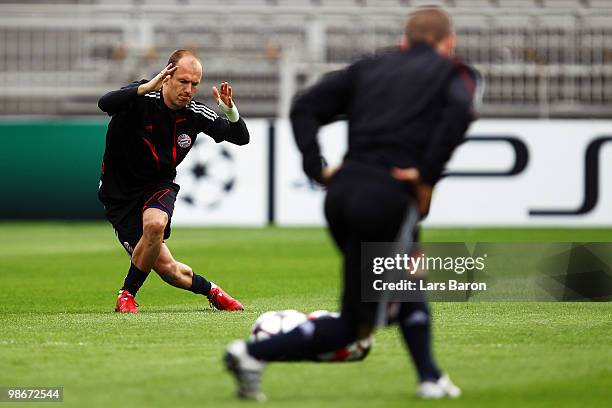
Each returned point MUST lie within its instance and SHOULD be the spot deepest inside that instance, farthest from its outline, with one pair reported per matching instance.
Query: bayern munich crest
(184, 141)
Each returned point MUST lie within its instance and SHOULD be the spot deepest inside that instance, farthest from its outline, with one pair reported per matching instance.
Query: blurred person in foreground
(154, 123)
(407, 110)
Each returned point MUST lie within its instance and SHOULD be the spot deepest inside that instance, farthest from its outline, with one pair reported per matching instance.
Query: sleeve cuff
(231, 113)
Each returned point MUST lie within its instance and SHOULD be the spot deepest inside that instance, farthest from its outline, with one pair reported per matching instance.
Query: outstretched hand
(225, 95)
(422, 190)
(156, 83)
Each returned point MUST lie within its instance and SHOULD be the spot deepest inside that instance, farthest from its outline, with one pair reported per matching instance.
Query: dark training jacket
(405, 108)
(146, 140)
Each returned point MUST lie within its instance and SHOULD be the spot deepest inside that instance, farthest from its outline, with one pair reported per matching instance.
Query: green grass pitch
(58, 328)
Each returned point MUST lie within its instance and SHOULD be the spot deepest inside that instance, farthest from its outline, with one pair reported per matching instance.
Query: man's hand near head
(156, 83)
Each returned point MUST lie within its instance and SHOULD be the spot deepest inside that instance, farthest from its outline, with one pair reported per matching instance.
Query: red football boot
(126, 303)
(222, 301)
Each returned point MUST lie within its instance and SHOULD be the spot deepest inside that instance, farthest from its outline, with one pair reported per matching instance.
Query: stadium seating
(539, 57)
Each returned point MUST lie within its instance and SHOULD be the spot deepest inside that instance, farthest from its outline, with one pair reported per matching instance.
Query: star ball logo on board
(207, 176)
(184, 141)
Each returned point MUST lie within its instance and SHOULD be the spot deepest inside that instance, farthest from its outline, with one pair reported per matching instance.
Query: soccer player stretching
(153, 126)
(407, 111)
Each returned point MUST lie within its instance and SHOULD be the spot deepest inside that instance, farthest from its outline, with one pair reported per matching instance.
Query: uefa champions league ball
(274, 323)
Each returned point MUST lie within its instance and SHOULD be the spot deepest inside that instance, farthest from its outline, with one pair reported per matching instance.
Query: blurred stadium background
(541, 58)
(547, 66)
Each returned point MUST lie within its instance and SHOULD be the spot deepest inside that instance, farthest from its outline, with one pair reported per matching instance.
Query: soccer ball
(274, 323)
(355, 351)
